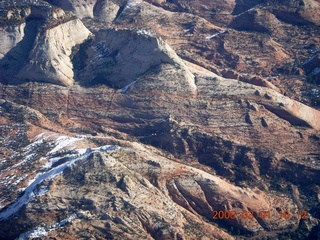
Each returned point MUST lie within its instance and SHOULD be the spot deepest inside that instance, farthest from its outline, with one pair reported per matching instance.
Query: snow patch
(83, 151)
(27, 159)
(63, 142)
(63, 222)
(106, 148)
(40, 136)
(146, 32)
(40, 231)
(127, 87)
(19, 180)
(215, 35)
(249, 10)
(31, 190)
(188, 30)
(37, 232)
(41, 191)
(132, 3)
(33, 145)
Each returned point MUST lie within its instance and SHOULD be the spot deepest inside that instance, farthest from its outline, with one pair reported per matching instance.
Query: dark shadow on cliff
(17, 57)
(245, 5)
(65, 5)
(245, 19)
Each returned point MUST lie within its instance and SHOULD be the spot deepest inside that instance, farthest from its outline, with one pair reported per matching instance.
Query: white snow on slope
(63, 222)
(28, 152)
(64, 141)
(249, 10)
(30, 191)
(132, 3)
(40, 231)
(216, 34)
(37, 232)
(127, 87)
(27, 159)
(146, 32)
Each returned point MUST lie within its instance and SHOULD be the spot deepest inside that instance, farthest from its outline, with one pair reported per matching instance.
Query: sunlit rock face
(119, 58)
(37, 45)
(49, 60)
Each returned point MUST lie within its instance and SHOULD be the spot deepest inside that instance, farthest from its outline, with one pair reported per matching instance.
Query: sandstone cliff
(38, 46)
(119, 58)
(49, 60)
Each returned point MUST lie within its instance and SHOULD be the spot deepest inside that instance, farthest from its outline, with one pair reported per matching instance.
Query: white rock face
(106, 11)
(49, 60)
(119, 57)
(291, 110)
(10, 37)
(81, 8)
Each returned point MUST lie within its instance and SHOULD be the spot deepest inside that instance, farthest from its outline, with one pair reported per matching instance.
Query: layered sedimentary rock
(297, 12)
(49, 59)
(38, 45)
(119, 58)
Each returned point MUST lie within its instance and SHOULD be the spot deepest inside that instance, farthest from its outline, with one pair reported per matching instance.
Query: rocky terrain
(159, 119)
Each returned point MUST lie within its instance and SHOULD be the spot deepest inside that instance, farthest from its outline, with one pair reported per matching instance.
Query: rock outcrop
(122, 58)
(294, 112)
(39, 47)
(49, 60)
(164, 198)
(10, 37)
(296, 12)
(106, 11)
(80, 8)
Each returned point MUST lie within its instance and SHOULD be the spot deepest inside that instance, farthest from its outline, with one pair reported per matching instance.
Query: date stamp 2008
(263, 214)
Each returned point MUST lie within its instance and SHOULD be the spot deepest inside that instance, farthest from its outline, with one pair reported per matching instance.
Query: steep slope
(129, 192)
(80, 8)
(49, 60)
(118, 57)
(253, 38)
(38, 45)
(297, 12)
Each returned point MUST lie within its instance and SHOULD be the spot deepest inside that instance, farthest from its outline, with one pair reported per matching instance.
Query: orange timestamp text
(249, 214)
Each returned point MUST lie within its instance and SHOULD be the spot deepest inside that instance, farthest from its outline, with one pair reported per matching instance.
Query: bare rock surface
(80, 8)
(119, 58)
(49, 60)
(40, 44)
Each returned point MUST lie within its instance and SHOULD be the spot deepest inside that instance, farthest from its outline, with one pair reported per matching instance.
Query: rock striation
(40, 49)
(49, 59)
(119, 58)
